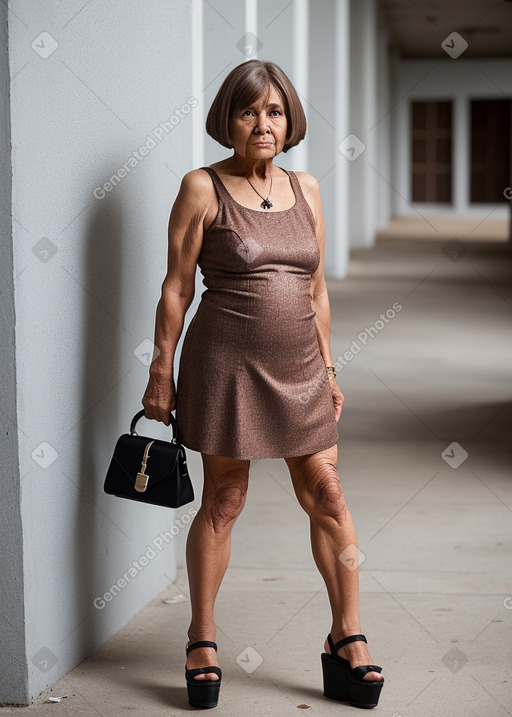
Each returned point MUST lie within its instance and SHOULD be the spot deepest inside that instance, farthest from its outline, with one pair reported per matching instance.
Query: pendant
(266, 204)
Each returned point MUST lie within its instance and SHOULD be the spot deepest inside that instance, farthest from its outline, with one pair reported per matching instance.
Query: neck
(254, 168)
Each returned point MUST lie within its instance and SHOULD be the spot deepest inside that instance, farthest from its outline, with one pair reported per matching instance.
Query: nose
(262, 124)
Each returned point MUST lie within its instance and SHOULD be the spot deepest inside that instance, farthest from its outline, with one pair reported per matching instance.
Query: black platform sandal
(346, 684)
(203, 693)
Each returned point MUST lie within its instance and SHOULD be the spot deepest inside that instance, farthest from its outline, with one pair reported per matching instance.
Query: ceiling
(417, 27)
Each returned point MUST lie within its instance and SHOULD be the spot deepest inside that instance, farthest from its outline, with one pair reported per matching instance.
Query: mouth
(263, 144)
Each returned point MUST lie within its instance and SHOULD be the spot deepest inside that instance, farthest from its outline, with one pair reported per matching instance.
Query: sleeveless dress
(252, 382)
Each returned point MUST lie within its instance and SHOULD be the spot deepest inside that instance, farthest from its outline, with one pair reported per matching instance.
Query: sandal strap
(191, 674)
(201, 643)
(335, 647)
(362, 670)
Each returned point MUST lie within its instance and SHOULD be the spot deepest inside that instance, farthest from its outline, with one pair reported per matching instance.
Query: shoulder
(196, 181)
(307, 182)
(197, 196)
(311, 191)
(197, 189)
(310, 188)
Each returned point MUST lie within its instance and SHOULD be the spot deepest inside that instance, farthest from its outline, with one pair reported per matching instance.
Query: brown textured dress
(252, 381)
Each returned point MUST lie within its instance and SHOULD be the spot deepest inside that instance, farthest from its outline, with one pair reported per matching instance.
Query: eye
(275, 113)
(247, 113)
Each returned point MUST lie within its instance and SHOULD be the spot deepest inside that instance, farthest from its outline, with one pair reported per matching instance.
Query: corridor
(425, 464)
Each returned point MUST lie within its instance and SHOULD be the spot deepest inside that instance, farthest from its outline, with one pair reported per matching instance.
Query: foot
(357, 654)
(203, 657)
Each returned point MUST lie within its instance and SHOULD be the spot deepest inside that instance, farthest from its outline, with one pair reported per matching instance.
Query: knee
(325, 499)
(225, 502)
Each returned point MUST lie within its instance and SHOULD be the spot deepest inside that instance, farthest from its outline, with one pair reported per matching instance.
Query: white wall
(13, 672)
(82, 309)
(459, 80)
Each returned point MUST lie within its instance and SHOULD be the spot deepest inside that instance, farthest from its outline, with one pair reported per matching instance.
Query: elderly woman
(256, 378)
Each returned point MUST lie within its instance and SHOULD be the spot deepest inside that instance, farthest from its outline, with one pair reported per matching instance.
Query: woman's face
(259, 131)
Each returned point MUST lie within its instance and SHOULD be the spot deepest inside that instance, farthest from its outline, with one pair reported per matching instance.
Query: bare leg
(317, 486)
(209, 548)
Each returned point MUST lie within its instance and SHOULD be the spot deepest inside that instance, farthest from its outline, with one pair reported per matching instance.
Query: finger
(336, 409)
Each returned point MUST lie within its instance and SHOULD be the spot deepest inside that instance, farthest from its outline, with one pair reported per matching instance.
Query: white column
(328, 99)
(363, 119)
(339, 255)
(399, 118)
(300, 71)
(251, 21)
(460, 155)
(383, 133)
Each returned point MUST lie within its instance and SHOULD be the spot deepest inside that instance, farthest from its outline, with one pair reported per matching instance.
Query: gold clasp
(141, 482)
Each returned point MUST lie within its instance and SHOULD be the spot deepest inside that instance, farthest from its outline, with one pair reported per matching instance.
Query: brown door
(490, 150)
(431, 166)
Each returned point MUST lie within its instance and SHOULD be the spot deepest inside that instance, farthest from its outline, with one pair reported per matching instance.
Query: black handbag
(149, 470)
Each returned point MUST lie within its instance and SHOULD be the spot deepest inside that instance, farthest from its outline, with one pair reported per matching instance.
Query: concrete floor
(435, 526)
(442, 227)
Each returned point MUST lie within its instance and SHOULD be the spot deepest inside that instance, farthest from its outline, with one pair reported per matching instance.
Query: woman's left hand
(337, 397)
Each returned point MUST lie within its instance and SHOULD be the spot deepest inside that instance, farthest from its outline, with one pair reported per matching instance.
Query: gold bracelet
(331, 370)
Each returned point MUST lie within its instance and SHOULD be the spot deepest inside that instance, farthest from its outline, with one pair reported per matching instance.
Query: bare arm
(186, 227)
(319, 295)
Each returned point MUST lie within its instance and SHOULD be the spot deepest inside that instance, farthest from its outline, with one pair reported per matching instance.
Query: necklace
(266, 203)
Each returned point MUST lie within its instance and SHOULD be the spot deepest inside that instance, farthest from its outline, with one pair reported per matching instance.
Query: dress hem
(259, 457)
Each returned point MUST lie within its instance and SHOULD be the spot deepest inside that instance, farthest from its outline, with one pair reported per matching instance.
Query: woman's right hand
(159, 398)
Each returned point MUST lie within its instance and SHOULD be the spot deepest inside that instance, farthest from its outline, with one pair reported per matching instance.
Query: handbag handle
(141, 414)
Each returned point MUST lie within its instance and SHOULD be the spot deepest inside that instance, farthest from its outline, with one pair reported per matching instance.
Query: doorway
(490, 150)
(431, 165)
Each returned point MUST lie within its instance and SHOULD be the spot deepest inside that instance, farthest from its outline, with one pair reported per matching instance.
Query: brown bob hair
(244, 84)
